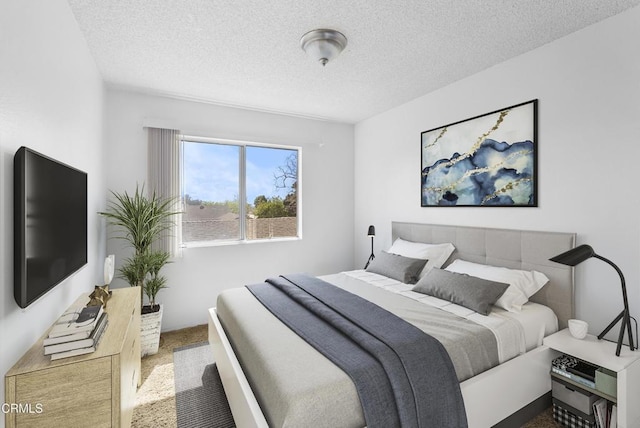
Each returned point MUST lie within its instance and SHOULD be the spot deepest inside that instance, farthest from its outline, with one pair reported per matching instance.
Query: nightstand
(603, 354)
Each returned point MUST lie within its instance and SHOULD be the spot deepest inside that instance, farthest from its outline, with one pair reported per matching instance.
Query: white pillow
(435, 254)
(522, 284)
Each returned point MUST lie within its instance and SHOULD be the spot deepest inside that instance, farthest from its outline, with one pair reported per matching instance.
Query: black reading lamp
(582, 253)
(371, 233)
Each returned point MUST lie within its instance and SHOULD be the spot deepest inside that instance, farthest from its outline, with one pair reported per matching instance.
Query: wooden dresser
(92, 390)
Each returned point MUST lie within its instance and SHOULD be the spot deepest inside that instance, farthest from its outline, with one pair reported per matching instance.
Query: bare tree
(287, 175)
(287, 178)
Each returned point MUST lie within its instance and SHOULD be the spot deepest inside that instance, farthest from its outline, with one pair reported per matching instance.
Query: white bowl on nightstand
(578, 328)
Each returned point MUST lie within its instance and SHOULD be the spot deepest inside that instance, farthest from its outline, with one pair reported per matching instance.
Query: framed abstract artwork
(486, 161)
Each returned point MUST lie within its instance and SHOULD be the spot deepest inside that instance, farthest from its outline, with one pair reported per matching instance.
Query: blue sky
(211, 171)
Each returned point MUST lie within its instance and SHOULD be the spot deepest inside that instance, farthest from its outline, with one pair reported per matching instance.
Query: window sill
(223, 243)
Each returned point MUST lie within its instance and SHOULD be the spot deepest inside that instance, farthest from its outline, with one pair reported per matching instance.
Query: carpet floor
(156, 397)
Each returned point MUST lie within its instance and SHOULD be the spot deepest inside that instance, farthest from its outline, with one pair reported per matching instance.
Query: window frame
(242, 196)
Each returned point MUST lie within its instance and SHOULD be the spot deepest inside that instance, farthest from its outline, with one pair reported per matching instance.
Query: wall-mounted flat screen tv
(50, 223)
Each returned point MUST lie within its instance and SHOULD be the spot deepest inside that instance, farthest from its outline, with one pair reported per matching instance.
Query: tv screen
(50, 224)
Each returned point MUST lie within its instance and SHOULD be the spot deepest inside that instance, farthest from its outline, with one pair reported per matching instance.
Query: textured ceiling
(246, 53)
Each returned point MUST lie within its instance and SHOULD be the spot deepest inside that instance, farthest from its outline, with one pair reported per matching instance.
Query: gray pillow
(469, 291)
(404, 269)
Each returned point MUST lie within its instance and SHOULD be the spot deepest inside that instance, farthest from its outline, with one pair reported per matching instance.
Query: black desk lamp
(582, 253)
(371, 233)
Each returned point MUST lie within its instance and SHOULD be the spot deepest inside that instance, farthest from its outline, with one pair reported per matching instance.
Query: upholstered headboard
(517, 249)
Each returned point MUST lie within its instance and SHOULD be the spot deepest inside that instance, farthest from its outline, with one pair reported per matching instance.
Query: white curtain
(164, 178)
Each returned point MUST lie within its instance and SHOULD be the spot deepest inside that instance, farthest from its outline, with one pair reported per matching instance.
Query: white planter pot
(150, 332)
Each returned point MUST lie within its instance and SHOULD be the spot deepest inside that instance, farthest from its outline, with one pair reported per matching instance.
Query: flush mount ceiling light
(323, 45)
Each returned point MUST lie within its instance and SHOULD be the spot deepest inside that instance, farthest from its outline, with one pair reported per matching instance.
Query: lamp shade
(574, 256)
(372, 231)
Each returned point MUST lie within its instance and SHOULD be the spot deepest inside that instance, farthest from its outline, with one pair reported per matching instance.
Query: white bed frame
(489, 397)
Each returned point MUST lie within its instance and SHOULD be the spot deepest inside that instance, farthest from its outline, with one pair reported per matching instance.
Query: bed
(489, 397)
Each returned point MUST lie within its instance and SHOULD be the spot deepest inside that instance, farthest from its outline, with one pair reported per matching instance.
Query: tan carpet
(543, 420)
(155, 400)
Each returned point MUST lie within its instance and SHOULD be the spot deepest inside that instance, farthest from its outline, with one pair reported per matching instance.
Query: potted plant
(140, 220)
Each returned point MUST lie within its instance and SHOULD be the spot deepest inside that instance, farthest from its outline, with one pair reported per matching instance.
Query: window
(236, 191)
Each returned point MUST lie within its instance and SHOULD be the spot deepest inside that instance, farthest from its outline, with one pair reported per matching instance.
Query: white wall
(51, 100)
(327, 196)
(588, 86)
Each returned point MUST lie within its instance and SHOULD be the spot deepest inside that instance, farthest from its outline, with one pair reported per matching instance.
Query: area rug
(200, 398)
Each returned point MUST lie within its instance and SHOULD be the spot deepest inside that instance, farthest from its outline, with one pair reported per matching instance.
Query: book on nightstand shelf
(99, 332)
(575, 369)
(69, 345)
(606, 414)
(76, 321)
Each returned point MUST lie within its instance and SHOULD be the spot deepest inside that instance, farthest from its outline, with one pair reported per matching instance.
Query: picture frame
(484, 161)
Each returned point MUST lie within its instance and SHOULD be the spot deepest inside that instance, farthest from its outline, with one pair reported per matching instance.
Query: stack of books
(575, 369)
(606, 414)
(78, 331)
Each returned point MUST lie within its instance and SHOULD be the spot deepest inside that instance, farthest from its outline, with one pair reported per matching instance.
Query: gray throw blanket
(403, 376)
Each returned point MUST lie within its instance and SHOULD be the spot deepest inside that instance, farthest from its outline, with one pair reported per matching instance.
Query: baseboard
(527, 413)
